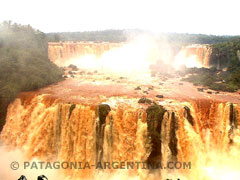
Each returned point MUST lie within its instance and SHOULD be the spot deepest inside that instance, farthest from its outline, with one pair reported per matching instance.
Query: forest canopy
(24, 63)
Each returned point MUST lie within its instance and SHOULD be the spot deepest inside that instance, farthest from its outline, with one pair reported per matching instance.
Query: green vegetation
(96, 36)
(175, 39)
(224, 55)
(215, 79)
(186, 39)
(24, 63)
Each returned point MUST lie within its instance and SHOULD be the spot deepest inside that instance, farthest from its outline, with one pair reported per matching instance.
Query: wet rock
(137, 88)
(73, 67)
(200, 89)
(187, 114)
(173, 136)
(159, 96)
(233, 122)
(233, 118)
(144, 100)
(150, 88)
(154, 121)
(146, 92)
(103, 110)
(72, 107)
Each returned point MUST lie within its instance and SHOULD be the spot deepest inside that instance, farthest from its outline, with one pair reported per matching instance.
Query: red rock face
(61, 52)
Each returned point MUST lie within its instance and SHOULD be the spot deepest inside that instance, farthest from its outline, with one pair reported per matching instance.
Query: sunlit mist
(137, 57)
(182, 60)
(130, 59)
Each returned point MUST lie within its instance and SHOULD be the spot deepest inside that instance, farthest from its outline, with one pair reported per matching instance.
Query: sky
(218, 17)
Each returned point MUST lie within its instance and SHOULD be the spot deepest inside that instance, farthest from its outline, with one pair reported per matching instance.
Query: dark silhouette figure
(22, 178)
(42, 177)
